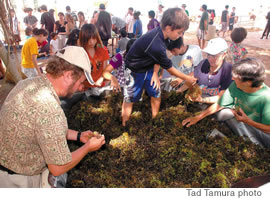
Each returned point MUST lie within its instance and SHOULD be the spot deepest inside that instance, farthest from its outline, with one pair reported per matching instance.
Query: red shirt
(97, 62)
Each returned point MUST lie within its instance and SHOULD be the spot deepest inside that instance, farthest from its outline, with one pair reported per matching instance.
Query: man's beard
(70, 91)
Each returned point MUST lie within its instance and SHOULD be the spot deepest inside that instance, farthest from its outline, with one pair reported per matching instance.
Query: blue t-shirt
(211, 85)
(137, 26)
(148, 50)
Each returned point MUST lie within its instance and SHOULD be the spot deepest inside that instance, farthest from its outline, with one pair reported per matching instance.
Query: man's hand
(86, 135)
(240, 115)
(155, 81)
(190, 121)
(176, 82)
(94, 143)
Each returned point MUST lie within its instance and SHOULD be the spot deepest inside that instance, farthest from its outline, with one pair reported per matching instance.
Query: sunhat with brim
(78, 57)
(215, 46)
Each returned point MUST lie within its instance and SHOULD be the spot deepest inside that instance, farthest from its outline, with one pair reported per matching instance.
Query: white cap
(215, 46)
(78, 57)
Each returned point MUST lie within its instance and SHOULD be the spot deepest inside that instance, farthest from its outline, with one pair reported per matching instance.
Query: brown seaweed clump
(160, 152)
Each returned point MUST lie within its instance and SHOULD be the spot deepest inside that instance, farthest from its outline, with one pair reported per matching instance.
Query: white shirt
(55, 45)
(187, 62)
(130, 22)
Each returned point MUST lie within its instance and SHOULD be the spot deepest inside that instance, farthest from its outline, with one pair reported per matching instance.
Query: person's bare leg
(155, 104)
(203, 43)
(126, 112)
(199, 42)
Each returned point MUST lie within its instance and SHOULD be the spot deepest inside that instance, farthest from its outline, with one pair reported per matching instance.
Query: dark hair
(40, 31)
(73, 37)
(27, 9)
(104, 25)
(129, 44)
(57, 66)
(88, 31)
(131, 9)
(238, 34)
(81, 13)
(28, 31)
(204, 7)
(102, 6)
(176, 18)
(94, 13)
(44, 7)
(52, 11)
(226, 6)
(137, 14)
(61, 13)
(151, 13)
(123, 33)
(68, 8)
(249, 69)
(178, 43)
(53, 34)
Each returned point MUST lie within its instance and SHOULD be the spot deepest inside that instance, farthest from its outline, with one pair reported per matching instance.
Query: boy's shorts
(201, 34)
(136, 83)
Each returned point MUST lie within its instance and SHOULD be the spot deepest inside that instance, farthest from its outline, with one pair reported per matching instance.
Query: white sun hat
(78, 57)
(215, 46)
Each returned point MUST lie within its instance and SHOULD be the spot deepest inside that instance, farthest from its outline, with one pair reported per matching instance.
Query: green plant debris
(160, 152)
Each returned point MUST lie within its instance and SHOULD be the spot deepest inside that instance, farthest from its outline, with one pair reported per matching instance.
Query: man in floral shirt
(33, 127)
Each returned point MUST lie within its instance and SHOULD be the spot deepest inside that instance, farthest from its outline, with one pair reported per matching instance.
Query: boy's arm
(155, 79)
(190, 80)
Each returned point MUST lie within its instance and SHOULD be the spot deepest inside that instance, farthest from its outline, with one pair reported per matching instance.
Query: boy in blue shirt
(147, 51)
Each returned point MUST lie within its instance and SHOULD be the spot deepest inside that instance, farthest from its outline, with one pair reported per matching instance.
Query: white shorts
(30, 72)
(201, 34)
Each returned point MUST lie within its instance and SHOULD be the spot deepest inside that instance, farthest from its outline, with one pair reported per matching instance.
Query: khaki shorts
(201, 34)
(224, 26)
(22, 181)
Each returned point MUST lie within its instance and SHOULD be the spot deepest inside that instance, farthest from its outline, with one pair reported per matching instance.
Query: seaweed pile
(160, 152)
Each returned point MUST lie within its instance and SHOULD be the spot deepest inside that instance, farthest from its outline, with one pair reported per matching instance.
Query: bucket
(211, 33)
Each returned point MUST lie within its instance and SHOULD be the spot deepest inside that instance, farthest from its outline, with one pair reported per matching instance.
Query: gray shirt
(118, 22)
(122, 44)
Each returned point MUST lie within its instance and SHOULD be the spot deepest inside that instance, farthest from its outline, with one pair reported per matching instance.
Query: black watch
(79, 137)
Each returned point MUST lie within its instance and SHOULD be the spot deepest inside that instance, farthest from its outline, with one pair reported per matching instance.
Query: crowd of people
(34, 129)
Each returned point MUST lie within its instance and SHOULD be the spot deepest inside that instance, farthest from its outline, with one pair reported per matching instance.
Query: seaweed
(160, 152)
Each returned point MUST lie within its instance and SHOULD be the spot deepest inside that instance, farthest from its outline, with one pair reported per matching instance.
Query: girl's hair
(87, 32)
(238, 34)
(176, 18)
(61, 13)
(81, 13)
(73, 37)
(40, 31)
(129, 44)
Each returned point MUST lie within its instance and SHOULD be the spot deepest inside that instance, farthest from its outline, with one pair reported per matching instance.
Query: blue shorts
(136, 83)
